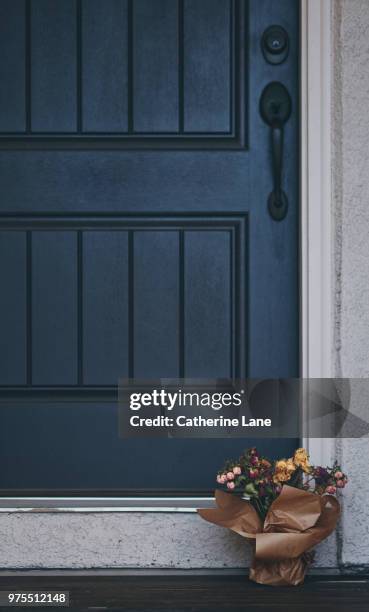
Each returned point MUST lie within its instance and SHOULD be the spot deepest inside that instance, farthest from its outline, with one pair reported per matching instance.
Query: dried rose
(301, 459)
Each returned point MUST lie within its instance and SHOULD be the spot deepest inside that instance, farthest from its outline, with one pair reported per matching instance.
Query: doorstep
(59, 538)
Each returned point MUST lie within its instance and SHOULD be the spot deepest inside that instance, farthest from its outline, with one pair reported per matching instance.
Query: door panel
(13, 66)
(155, 66)
(164, 72)
(113, 297)
(13, 321)
(53, 305)
(79, 453)
(208, 304)
(209, 34)
(155, 303)
(104, 302)
(135, 238)
(103, 99)
(53, 66)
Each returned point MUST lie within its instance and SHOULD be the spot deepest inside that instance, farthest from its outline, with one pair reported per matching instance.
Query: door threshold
(105, 504)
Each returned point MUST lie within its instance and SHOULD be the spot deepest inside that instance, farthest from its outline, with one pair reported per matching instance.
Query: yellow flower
(281, 477)
(300, 455)
(283, 470)
(290, 466)
(301, 459)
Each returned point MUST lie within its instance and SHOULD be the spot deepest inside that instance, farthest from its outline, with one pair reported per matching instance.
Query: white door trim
(316, 269)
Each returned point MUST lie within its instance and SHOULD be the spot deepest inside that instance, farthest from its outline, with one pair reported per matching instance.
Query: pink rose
(331, 490)
(338, 475)
(230, 485)
(340, 484)
(237, 470)
(230, 476)
(222, 479)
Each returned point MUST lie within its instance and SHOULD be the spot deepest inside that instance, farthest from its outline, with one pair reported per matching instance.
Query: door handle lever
(275, 109)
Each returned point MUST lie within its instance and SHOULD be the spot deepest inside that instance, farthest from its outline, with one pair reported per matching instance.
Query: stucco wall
(124, 540)
(183, 540)
(351, 217)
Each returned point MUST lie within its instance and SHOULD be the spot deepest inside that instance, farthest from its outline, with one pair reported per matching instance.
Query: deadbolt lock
(275, 44)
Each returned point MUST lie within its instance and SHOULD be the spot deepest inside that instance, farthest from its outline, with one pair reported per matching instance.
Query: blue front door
(135, 234)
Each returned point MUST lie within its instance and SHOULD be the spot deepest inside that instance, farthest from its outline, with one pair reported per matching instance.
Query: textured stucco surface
(70, 540)
(351, 212)
(354, 353)
(151, 540)
(121, 540)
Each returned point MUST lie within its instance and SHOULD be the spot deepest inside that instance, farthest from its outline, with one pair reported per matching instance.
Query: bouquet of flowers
(261, 480)
(282, 507)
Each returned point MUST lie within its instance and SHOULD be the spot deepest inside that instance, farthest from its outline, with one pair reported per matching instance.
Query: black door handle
(275, 109)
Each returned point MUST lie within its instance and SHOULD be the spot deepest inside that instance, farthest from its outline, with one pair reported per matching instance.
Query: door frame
(316, 226)
(316, 262)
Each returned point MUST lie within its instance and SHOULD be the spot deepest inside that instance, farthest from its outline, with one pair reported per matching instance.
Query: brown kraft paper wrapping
(296, 521)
